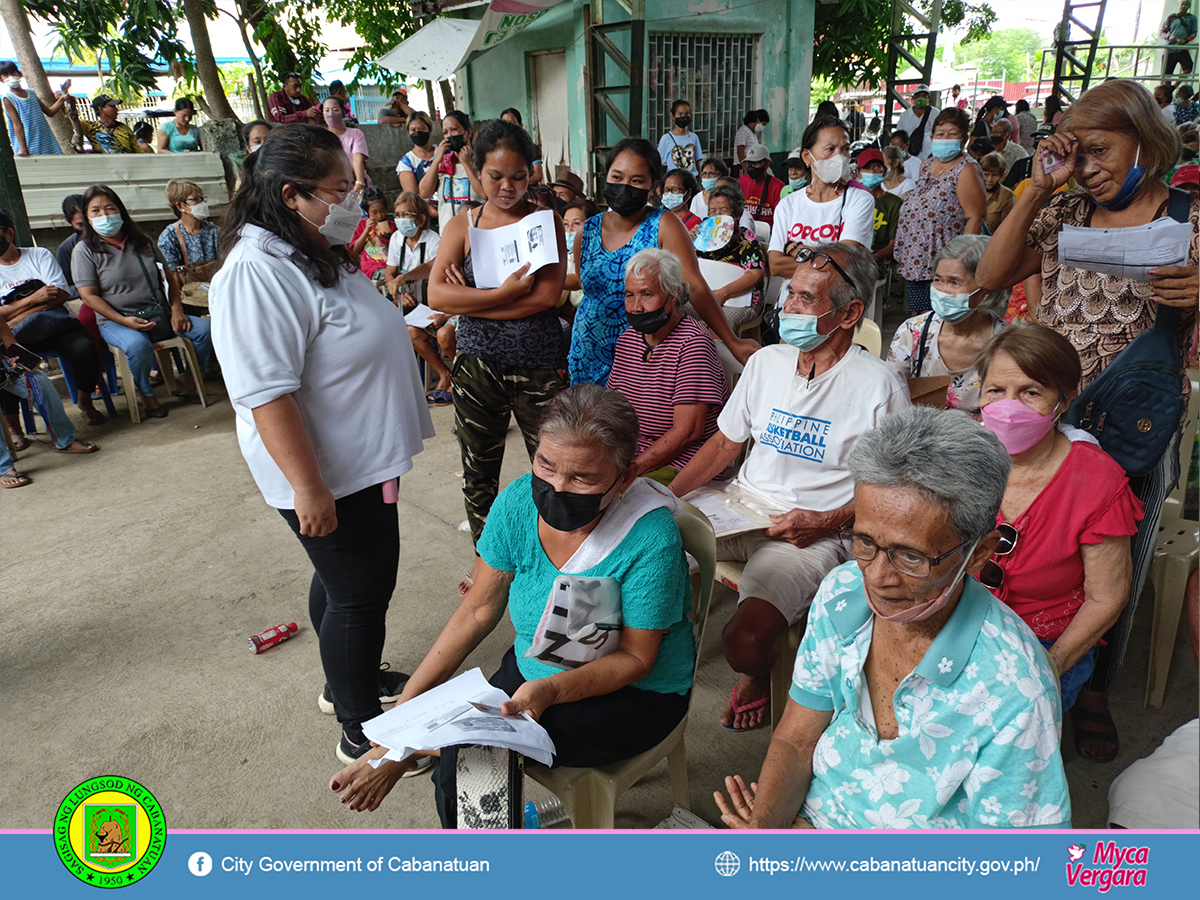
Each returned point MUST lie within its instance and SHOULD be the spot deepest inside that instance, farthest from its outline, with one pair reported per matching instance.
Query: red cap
(871, 155)
(1186, 175)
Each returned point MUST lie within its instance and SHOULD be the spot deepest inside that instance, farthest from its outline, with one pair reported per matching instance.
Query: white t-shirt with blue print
(980, 721)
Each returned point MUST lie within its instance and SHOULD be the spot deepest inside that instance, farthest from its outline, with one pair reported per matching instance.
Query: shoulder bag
(155, 311)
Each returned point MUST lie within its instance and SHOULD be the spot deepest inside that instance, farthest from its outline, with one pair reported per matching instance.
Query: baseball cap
(921, 89)
(401, 89)
(102, 101)
(757, 153)
(571, 182)
(1186, 175)
(869, 156)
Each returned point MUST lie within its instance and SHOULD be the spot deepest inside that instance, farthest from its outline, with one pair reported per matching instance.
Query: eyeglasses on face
(905, 561)
(991, 575)
(820, 260)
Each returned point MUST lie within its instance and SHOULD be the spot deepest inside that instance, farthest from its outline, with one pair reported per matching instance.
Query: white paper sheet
(732, 509)
(420, 316)
(498, 252)
(464, 710)
(1125, 252)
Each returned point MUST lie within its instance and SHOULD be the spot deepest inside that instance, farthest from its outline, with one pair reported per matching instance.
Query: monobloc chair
(1176, 556)
(590, 795)
(69, 377)
(763, 232)
(718, 275)
(869, 337)
(161, 348)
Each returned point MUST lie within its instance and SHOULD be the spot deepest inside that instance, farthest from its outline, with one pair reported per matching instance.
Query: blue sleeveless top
(600, 318)
(38, 136)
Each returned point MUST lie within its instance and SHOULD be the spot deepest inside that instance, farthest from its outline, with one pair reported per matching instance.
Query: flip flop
(439, 398)
(1080, 718)
(88, 447)
(20, 443)
(747, 708)
(21, 480)
(94, 417)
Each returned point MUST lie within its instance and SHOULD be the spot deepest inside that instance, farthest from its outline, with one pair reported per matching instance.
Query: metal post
(637, 74)
(11, 197)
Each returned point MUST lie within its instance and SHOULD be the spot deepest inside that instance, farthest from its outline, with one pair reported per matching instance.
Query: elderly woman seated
(743, 251)
(581, 517)
(666, 365)
(918, 700)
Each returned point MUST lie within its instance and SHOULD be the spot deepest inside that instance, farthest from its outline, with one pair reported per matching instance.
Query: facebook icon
(200, 864)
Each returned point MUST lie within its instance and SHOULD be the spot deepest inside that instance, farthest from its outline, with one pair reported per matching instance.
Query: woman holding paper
(511, 358)
(583, 520)
(1117, 145)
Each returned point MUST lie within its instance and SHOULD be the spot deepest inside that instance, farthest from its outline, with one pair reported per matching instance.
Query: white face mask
(832, 170)
(199, 210)
(339, 226)
(759, 127)
(13, 82)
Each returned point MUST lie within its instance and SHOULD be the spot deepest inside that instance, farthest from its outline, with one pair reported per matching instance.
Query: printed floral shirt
(980, 721)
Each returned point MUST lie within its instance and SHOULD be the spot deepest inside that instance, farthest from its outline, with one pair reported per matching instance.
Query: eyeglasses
(341, 194)
(991, 575)
(191, 200)
(819, 260)
(905, 561)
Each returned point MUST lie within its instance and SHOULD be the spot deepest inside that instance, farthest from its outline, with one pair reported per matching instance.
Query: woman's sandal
(85, 447)
(18, 480)
(439, 398)
(1080, 719)
(19, 442)
(93, 416)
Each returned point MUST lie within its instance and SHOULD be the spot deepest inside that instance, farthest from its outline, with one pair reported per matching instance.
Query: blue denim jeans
(61, 429)
(140, 352)
(1071, 681)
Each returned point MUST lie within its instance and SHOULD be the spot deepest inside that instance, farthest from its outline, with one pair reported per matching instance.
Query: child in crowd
(372, 237)
(999, 198)
(409, 261)
(797, 173)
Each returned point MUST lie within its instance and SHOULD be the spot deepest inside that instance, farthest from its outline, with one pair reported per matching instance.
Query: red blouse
(1087, 500)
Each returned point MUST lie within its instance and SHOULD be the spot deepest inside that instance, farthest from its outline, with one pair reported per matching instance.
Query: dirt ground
(133, 577)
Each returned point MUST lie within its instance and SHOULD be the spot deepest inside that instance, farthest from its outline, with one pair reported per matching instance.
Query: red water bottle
(260, 643)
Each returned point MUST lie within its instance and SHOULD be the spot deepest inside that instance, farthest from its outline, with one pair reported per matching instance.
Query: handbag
(155, 311)
(194, 272)
(1135, 405)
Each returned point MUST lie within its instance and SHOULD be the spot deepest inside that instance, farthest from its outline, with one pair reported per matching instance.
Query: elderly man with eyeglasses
(918, 700)
(805, 403)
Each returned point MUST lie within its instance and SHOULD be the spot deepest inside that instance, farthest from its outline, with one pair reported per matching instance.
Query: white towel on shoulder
(644, 496)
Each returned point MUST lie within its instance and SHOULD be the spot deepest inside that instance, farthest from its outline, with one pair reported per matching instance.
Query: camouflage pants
(485, 394)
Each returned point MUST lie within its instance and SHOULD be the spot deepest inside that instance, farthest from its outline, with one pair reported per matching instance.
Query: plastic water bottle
(548, 813)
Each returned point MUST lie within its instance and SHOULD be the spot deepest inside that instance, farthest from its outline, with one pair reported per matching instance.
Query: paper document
(498, 252)
(732, 509)
(464, 710)
(420, 316)
(1125, 252)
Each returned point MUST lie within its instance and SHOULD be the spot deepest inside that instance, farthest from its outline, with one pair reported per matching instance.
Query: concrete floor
(133, 577)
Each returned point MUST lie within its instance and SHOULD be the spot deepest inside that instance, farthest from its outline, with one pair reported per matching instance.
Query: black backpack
(1134, 407)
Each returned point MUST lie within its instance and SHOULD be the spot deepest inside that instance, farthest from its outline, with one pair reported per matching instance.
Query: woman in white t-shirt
(327, 398)
(416, 162)
(830, 208)
(450, 173)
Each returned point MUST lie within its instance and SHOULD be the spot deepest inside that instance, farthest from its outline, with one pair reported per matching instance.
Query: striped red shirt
(682, 369)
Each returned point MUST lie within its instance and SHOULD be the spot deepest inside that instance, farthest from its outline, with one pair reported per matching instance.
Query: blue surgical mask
(800, 330)
(407, 227)
(107, 226)
(797, 183)
(870, 180)
(708, 183)
(570, 242)
(1129, 190)
(945, 148)
(672, 201)
(950, 307)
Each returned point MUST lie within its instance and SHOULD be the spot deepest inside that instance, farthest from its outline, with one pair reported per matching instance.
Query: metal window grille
(715, 73)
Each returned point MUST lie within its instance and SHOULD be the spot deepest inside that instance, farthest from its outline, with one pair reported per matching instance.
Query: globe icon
(727, 863)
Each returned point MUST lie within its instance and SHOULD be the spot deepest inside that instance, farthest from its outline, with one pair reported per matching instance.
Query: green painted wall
(500, 78)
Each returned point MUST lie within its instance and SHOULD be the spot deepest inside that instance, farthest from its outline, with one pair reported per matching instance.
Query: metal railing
(1148, 64)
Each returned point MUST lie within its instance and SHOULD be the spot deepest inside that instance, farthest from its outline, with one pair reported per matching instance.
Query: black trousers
(353, 579)
(72, 344)
(591, 732)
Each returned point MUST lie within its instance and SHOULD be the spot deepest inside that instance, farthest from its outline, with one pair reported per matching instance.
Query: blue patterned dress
(600, 319)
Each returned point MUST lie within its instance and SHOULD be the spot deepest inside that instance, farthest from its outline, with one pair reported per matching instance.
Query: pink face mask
(1016, 425)
(922, 612)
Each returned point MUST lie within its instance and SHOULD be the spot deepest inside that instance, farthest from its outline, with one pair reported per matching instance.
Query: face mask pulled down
(921, 612)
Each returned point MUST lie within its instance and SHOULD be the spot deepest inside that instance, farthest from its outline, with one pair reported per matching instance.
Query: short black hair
(500, 133)
(288, 76)
(336, 85)
(143, 131)
(982, 146)
(250, 126)
(675, 104)
(72, 204)
(184, 103)
(6, 220)
(764, 117)
(1022, 106)
(373, 195)
(639, 147)
(899, 133)
(515, 113)
(8, 67)
(690, 184)
(956, 87)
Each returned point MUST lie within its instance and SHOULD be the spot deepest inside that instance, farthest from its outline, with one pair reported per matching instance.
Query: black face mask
(648, 322)
(683, 121)
(757, 172)
(625, 199)
(564, 510)
(457, 142)
(419, 138)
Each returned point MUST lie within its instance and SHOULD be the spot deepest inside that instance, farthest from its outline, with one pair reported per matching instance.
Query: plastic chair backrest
(719, 274)
(699, 540)
(1188, 439)
(869, 337)
(763, 230)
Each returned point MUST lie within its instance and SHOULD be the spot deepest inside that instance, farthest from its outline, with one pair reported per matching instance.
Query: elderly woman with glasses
(1062, 563)
(918, 700)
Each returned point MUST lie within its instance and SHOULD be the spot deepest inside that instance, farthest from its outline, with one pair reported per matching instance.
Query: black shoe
(159, 412)
(348, 751)
(391, 685)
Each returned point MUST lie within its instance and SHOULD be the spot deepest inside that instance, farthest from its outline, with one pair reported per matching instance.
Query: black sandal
(1080, 718)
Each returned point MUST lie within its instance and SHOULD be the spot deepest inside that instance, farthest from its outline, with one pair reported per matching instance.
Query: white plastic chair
(868, 336)
(763, 230)
(1176, 556)
(590, 795)
(165, 366)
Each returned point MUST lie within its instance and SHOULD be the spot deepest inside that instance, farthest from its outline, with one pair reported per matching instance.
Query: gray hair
(591, 415)
(945, 457)
(860, 267)
(967, 250)
(1004, 125)
(662, 265)
(732, 193)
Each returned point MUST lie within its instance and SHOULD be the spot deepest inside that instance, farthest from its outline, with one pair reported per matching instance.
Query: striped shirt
(682, 369)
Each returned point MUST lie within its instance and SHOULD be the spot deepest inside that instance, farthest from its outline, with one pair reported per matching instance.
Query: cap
(869, 156)
(401, 89)
(795, 162)
(1186, 175)
(571, 182)
(921, 89)
(102, 101)
(758, 153)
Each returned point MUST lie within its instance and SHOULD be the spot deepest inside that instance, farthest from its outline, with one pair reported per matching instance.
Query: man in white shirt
(917, 122)
(805, 403)
(1005, 146)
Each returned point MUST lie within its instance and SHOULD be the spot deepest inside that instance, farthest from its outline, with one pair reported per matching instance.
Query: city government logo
(109, 831)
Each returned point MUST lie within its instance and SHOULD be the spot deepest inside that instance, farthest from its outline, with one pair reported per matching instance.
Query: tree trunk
(253, 86)
(31, 66)
(255, 12)
(447, 95)
(433, 112)
(206, 64)
(262, 101)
